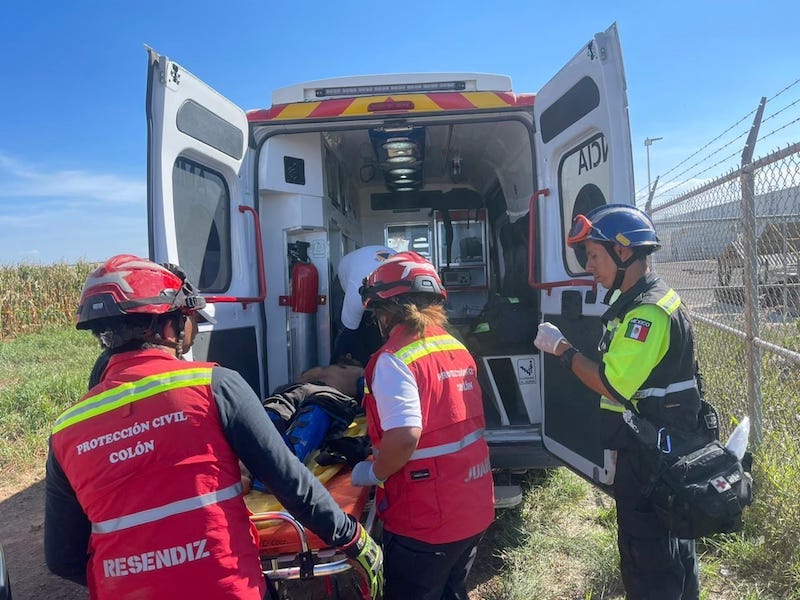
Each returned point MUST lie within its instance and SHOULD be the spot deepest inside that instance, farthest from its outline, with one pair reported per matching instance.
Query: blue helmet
(617, 224)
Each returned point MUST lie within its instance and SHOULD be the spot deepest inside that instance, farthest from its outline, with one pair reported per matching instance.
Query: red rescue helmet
(127, 285)
(401, 274)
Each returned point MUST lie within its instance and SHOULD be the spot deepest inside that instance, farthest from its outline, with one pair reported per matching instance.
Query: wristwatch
(566, 357)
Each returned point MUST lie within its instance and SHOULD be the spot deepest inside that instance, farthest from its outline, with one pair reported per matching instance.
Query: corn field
(34, 297)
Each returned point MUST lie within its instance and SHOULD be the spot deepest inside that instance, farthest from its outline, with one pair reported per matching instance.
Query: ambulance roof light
(389, 84)
(394, 88)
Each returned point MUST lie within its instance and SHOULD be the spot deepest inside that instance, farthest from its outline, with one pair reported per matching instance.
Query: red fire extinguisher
(305, 285)
(304, 300)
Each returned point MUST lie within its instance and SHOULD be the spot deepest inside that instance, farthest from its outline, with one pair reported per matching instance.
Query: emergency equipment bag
(702, 493)
(697, 486)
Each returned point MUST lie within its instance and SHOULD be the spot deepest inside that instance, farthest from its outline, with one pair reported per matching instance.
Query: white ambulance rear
(456, 166)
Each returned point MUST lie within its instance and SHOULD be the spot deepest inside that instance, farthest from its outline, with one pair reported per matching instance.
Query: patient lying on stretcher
(317, 417)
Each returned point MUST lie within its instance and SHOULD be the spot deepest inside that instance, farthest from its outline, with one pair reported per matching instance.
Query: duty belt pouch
(697, 486)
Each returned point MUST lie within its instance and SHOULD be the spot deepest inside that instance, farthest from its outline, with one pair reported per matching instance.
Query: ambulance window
(201, 209)
(333, 179)
(412, 236)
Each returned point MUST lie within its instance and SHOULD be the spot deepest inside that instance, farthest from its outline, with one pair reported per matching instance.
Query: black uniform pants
(414, 569)
(654, 564)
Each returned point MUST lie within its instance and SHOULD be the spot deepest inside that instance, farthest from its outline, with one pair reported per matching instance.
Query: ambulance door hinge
(162, 69)
(170, 72)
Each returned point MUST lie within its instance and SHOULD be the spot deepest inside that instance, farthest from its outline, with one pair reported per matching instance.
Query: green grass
(561, 543)
(40, 375)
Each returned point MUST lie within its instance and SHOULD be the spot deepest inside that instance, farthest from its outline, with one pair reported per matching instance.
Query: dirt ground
(22, 537)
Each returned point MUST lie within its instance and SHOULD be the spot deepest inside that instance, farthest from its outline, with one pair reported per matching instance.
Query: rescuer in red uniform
(143, 487)
(425, 419)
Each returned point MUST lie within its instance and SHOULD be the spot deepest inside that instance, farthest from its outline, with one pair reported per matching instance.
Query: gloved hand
(364, 474)
(366, 551)
(548, 337)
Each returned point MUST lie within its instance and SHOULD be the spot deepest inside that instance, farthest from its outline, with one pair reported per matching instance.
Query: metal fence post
(751, 291)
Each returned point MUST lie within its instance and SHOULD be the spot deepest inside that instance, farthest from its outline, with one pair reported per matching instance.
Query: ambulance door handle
(532, 283)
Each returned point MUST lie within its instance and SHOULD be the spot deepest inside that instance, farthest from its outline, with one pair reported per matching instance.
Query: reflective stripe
(669, 302)
(433, 102)
(168, 510)
(437, 343)
(681, 386)
(449, 448)
(130, 392)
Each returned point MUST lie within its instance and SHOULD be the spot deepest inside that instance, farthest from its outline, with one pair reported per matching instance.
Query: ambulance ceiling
(467, 154)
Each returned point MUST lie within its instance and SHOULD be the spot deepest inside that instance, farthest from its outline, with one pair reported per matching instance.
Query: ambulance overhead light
(399, 145)
(401, 171)
(402, 159)
(396, 88)
(400, 151)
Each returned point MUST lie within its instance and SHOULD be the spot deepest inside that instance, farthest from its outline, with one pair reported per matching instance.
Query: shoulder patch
(638, 329)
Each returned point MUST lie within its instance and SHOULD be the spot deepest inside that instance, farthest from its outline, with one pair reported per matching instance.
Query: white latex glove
(364, 474)
(548, 337)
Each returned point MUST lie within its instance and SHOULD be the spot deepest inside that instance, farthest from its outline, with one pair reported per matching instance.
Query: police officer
(143, 486)
(358, 336)
(647, 358)
(425, 420)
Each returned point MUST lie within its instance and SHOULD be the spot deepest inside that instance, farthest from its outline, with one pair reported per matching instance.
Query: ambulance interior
(457, 192)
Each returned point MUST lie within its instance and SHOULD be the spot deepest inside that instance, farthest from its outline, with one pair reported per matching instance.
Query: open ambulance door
(583, 161)
(200, 210)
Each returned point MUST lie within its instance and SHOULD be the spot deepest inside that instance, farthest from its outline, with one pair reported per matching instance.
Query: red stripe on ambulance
(331, 108)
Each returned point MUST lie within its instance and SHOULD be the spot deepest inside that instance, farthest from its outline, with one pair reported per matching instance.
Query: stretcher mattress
(278, 537)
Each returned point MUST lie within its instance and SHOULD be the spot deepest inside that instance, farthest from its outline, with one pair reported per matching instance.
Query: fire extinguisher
(303, 302)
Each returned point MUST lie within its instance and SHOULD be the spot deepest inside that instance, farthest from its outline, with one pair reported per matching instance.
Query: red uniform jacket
(445, 491)
(145, 453)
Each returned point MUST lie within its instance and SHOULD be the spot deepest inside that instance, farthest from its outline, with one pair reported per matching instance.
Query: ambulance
(259, 206)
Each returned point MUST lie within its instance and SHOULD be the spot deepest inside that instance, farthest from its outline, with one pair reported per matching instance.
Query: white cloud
(20, 180)
(51, 216)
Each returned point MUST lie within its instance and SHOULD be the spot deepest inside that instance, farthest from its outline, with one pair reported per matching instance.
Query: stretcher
(289, 551)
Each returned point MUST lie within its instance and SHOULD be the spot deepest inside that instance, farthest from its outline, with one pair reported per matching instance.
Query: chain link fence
(731, 249)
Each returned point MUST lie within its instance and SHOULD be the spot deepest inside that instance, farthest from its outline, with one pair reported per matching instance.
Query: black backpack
(698, 487)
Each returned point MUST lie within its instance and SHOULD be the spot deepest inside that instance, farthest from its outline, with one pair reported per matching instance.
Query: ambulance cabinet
(464, 270)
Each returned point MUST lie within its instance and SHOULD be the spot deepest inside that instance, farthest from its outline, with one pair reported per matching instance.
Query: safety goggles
(581, 229)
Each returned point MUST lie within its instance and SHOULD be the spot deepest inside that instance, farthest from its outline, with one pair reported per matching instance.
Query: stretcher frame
(309, 562)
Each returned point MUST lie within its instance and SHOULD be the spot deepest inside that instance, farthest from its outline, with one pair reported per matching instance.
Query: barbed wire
(780, 128)
(788, 87)
(702, 160)
(675, 182)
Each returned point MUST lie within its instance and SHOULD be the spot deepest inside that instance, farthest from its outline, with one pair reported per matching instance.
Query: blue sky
(72, 124)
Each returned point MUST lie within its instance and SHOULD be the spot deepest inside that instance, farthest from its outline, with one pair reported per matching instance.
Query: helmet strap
(622, 267)
(180, 324)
